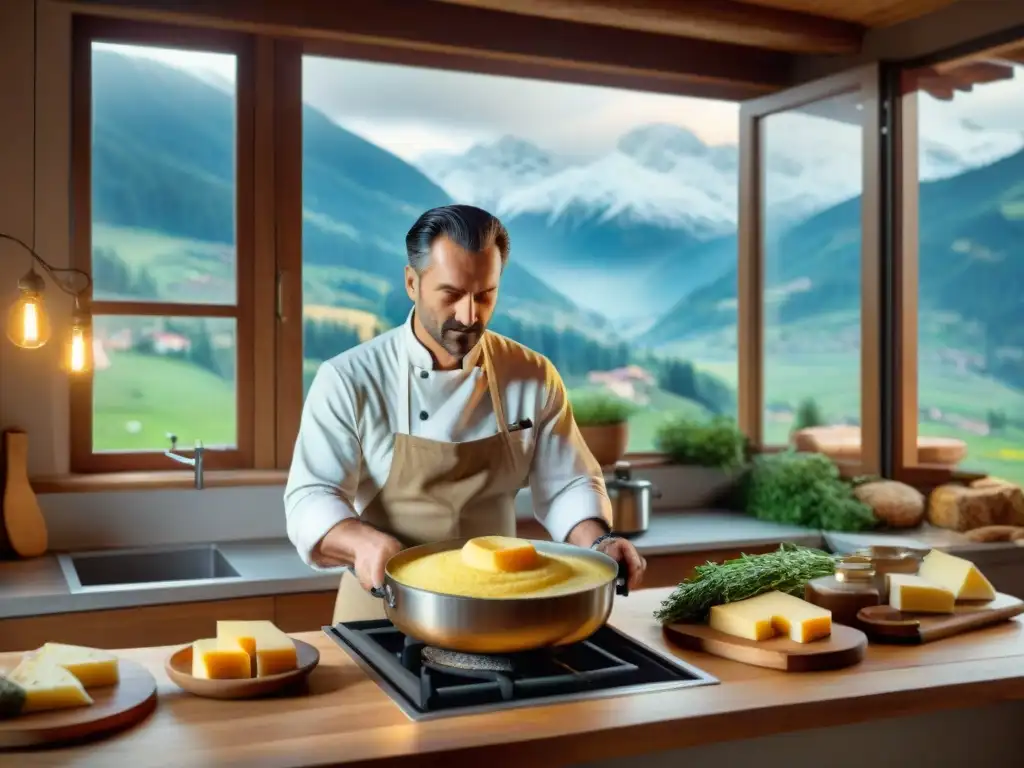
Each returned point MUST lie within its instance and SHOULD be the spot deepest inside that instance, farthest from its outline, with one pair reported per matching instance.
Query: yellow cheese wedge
(914, 594)
(499, 554)
(270, 650)
(48, 686)
(215, 659)
(91, 666)
(764, 616)
(959, 576)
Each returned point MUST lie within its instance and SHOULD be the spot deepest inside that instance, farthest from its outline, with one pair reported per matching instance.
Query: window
(621, 208)
(963, 247)
(808, 288)
(161, 222)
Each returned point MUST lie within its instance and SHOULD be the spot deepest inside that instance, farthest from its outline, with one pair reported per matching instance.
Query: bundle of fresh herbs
(715, 442)
(804, 489)
(787, 570)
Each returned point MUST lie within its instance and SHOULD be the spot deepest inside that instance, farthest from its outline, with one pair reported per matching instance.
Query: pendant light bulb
(28, 325)
(79, 354)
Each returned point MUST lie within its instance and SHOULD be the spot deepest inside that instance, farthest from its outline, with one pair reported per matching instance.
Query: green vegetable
(804, 489)
(717, 442)
(787, 570)
(12, 698)
(594, 408)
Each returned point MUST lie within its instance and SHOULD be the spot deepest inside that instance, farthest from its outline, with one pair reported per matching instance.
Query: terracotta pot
(607, 442)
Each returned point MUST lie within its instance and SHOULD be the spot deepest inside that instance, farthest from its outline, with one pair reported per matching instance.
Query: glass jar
(851, 587)
(885, 560)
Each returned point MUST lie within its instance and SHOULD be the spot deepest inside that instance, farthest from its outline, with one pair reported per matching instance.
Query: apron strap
(492, 385)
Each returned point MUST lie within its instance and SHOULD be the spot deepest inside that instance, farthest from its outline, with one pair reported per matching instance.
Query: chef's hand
(366, 548)
(623, 551)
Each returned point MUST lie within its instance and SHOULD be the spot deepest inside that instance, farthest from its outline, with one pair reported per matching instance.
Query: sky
(415, 111)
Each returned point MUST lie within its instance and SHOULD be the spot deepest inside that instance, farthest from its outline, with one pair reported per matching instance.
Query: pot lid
(623, 477)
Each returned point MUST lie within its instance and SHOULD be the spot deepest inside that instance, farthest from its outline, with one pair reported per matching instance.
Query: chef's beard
(455, 338)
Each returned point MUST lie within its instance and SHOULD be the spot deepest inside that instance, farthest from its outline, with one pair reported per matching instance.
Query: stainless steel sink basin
(131, 568)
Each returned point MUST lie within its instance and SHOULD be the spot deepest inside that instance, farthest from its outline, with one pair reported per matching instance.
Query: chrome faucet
(196, 462)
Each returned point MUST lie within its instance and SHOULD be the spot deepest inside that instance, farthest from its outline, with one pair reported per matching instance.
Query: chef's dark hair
(467, 226)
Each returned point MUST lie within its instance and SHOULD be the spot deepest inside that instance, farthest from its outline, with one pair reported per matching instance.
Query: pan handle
(622, 580)
(385, 593)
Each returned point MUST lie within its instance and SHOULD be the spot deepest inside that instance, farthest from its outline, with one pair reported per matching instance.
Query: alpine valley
(624, 259)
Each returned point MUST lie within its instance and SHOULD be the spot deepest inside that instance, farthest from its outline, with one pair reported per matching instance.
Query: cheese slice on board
(48, 686)
(500, 554)
(91, 666)
(764, 616)
(959, 576)
(215, 659)
(270, 650)
(915, 594)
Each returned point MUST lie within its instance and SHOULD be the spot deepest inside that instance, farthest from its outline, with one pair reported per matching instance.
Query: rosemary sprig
(787, 570)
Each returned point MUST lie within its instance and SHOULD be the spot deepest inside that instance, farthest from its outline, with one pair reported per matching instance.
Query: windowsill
(152, 481)
(185, 480)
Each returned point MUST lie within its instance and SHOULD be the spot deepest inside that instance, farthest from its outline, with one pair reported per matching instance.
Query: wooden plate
(114, 707)
(845, 647)
(179, 669)
(884, 623)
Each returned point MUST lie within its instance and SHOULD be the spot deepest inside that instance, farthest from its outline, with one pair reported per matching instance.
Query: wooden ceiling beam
(725, 21)
(423, 32)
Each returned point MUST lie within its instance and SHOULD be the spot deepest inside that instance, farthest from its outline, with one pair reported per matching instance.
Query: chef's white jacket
(354, 407)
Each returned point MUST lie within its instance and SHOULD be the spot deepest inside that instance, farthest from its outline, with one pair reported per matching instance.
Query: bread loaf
(962, 508)
(898, 505)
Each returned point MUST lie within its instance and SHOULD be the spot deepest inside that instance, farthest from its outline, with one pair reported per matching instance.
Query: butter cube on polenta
(499, 554)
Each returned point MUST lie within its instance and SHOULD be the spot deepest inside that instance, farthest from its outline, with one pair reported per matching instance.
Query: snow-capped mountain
(666, 176)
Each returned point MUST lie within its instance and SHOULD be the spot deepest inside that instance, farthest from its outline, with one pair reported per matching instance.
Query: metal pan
(500, 625)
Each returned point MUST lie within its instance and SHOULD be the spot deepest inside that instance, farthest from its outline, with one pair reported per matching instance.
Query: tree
(808, 414)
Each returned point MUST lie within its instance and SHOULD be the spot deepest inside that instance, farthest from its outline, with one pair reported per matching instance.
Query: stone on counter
(898, 505)
(985, 502)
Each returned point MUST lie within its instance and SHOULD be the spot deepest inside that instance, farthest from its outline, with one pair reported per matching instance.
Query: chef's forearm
(587, 532)
(340, 544)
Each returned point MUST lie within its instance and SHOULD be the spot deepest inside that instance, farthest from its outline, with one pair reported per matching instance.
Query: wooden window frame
(253, 306)
(750, 291)
(906, 269)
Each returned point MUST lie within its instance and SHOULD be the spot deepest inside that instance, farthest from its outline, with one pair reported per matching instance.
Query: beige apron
(437, 490)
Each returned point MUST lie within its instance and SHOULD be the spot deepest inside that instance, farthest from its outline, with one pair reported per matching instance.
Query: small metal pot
(631, 501)
(499, 625)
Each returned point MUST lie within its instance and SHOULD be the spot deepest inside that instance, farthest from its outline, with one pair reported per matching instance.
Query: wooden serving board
(114, 707)
(886, 624)
(844, 648)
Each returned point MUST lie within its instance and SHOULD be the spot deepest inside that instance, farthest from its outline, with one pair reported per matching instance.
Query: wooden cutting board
(23, 523)
(845, 647)
(114, 707)
(886, 624)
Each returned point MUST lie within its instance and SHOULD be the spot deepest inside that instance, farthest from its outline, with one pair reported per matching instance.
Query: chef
(429, 430)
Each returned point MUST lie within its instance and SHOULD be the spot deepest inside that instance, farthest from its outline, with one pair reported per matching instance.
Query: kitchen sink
(165, 566)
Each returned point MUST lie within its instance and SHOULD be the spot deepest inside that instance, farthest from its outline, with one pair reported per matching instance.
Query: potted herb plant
(603, 420)
(711, 455)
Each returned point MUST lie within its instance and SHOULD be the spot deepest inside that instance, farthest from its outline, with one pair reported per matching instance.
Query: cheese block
(959, 576)
(215, 659)
(764, 616)
(92, 667)
(914, 594)
(48, 686)
(499, 554)
(12, 698)
(270, 650)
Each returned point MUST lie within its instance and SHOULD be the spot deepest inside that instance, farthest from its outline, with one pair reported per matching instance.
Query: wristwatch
(604, 536)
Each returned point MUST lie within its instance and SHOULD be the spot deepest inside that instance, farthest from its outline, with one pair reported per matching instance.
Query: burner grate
(428, 682)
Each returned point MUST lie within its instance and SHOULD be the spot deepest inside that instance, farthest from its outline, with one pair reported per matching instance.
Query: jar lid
(884, 552)
(854, 572)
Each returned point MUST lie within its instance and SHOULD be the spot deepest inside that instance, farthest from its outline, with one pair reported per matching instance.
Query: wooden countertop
(347, 720)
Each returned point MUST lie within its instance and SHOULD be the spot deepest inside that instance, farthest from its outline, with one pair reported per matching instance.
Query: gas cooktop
(429, 683)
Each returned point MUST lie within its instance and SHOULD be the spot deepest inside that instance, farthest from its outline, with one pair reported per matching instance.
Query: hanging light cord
(61, 276)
